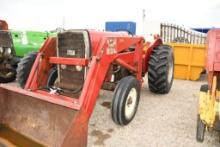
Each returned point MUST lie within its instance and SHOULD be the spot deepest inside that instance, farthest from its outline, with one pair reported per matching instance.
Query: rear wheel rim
(170, 71)
(130, 104)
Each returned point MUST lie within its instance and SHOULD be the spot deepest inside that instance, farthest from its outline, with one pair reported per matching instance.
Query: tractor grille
(72, 44)
(5, 39)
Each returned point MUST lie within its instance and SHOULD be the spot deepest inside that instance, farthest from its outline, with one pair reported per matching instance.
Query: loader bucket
(27, 120)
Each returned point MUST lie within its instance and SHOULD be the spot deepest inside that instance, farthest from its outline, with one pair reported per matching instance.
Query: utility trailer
(208, 117)
(57, 88)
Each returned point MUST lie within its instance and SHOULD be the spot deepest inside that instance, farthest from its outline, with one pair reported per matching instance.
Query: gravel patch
(161, 120)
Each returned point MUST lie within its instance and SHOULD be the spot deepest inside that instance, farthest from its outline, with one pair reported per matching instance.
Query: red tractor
(61, 84)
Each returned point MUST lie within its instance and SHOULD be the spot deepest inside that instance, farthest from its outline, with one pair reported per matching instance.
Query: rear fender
(146, 57)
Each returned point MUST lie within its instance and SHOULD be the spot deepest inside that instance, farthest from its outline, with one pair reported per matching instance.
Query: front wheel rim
(130, 104)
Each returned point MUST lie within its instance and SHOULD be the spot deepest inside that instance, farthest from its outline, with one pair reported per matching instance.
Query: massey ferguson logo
(111, 46)
(71, 52)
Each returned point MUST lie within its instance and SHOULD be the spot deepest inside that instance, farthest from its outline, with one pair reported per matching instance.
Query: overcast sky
(50, 14)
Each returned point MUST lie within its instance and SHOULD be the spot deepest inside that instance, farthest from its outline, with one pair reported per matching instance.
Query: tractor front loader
(57, 88)
(209, 100)
(7, 55)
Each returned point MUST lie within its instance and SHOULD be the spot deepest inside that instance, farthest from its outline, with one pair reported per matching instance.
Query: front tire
(7, 75)
(200, 130)
(125, 100)
(24, 68)
(161, 69)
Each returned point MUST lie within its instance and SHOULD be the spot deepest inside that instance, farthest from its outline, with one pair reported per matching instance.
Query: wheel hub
(129, 101)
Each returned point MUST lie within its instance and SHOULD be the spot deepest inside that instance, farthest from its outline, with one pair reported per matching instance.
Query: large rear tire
(24, 68)
(125, 100)
(161, 69)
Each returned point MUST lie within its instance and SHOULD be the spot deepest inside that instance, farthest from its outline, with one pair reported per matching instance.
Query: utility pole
(143, 18)
(64, 22)
(143, 15)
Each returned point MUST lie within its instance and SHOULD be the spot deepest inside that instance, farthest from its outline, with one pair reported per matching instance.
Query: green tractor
(28, 41)
(14, 45)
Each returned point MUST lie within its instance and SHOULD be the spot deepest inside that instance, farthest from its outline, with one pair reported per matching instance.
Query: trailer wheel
(200, 129)
(7, 75)
(161, 69)
(125, 100)
(24, 68)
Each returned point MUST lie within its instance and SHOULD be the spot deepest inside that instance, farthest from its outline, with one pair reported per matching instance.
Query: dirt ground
(161, 120)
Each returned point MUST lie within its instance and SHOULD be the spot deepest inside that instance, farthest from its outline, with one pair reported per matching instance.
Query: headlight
(8, 51)
(78, 68)
(63, 66)
(1, 50)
